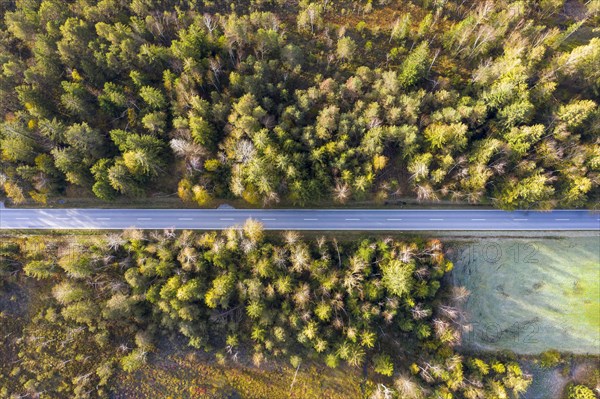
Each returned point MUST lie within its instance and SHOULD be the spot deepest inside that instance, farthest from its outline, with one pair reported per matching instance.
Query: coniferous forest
(301, 102)
(283, 103)
(108, 301)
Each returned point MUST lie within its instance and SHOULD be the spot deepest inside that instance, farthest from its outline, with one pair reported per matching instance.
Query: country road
(294, 219)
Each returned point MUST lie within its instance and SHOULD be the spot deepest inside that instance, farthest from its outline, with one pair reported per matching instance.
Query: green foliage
(383, 365)
(114, 298)
(67, 292)
(40, 269)
(398, 277)
(220, 292)
(249, 104)
(536, 188)
(153, 97)
(102, 188)
(580, 392)
(550, 358)
(346, 47)
(415, 65)
(133, 361)
(77, 265)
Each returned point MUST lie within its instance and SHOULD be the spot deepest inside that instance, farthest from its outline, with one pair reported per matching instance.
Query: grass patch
(530, 295)
(192, 374)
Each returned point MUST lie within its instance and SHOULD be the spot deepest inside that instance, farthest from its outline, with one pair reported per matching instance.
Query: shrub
(580, 392)
(550, 358)
(383, 365)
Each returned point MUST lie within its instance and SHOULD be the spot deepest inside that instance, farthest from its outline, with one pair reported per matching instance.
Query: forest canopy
(301, 102)
(108, 304)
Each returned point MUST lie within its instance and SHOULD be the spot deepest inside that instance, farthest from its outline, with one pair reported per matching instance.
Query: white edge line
(428, 229)
(301, 210)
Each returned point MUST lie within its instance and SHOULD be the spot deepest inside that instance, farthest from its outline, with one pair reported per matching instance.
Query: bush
(383, 365)
(580, 392)
(550, 358)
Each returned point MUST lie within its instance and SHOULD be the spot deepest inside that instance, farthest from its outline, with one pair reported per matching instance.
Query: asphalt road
(294, 219)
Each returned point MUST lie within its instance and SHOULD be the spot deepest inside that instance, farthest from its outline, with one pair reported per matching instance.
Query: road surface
(295, 219)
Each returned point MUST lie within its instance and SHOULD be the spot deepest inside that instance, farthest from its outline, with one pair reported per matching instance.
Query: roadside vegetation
(301, 102)
(79, 314)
